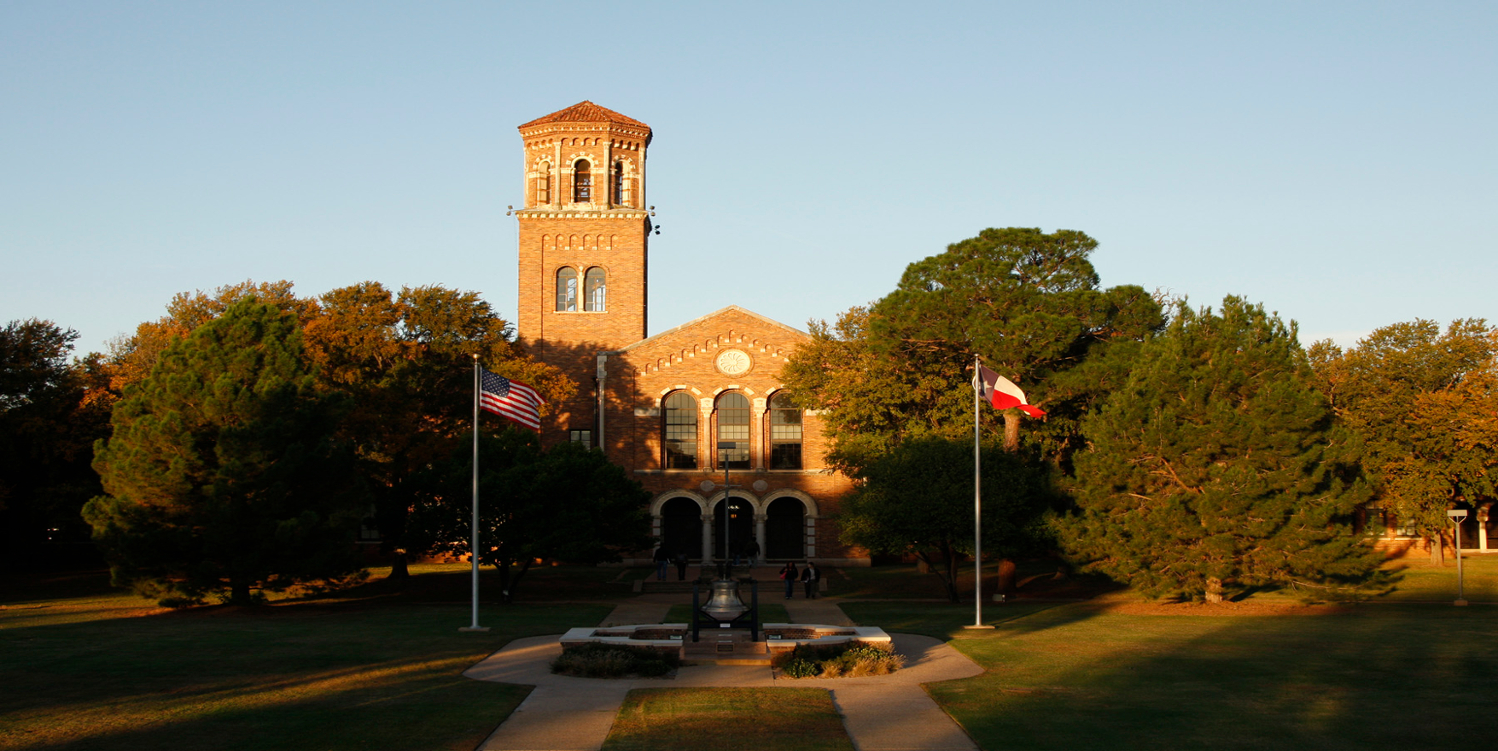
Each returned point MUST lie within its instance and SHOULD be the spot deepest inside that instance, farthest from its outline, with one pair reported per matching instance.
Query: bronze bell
(724, 604)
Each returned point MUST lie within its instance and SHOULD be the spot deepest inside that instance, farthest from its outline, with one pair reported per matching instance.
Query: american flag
(510, 399)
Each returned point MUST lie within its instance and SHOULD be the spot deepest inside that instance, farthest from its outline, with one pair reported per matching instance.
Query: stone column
(707, 539)
(759, 439)
(1482, 529)
(759, 534)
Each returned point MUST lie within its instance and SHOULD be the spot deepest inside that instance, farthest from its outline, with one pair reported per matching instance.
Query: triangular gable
(704, 324)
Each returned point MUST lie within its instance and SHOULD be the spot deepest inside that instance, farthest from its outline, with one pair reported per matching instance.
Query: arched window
(543, 184)
(595, 283)
(582, 182)
(681, 431)
(733, 431)
(567, 290)
(785, 432)
(619, 183)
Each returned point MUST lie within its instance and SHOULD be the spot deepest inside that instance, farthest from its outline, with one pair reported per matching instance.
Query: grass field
(379, 666)
(1073, 676)
(96, 669)
(728, 719)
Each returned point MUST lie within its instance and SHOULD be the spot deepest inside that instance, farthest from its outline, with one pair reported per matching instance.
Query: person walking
(662, 559)
(788, 573)
(751, 551)
(681, 565)
(810, 577)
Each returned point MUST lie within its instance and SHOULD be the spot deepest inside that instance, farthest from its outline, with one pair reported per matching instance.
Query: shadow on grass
(321, 675)
(1382, 677)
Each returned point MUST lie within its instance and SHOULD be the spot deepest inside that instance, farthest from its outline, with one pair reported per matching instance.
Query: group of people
(663, 559)
(810, 577)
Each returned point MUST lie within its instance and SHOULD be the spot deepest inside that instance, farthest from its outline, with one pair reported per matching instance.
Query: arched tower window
(785, 432)
(567, 290)
(595, 290)
(619, 183)
(582, 182)
(543, 184)
(733, 431)
(680, 431)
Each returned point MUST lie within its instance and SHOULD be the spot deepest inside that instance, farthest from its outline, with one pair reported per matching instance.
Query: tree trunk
(1437, 549)
(1011, 430)
(398, 567)
(508, 582)
(239, 592)
(1214, 590)
(1006, 576)
(946, 570)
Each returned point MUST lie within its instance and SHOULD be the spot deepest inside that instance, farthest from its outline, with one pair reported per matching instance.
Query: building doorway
(785, 529)
(681, 527)
(740, 525)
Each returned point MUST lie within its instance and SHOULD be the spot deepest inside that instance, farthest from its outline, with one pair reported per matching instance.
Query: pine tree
(1217, 467)
(222, 474)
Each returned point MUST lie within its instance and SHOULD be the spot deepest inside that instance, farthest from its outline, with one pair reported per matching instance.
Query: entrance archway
(681, 527)
(785, 529)
(740, 525)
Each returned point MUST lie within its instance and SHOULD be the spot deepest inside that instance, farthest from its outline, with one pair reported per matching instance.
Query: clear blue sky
(1335, 161)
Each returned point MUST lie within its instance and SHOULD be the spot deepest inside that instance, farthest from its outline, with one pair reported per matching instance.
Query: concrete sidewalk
(884, 713)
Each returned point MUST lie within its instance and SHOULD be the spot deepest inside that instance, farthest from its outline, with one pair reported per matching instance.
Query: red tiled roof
(586, 112)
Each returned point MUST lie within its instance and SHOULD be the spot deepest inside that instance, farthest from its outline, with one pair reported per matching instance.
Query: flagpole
(473, 550)
(977, 503)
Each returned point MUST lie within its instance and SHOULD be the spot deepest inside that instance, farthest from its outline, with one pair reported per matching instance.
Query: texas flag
(1002, 393)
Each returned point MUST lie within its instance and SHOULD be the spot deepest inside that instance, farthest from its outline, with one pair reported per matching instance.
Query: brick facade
(625, 378)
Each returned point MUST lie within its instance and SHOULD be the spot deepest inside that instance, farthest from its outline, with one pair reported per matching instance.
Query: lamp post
(1457, 515)
(724, 447)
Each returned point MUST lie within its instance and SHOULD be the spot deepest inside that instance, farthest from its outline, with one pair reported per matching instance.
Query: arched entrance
(681, 527)
(740, 525)
(785, 529)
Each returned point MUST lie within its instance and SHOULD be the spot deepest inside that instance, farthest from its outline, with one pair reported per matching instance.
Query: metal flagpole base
(474, 628)
(982, 627)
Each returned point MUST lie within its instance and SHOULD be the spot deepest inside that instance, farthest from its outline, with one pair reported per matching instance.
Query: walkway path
(884, 713)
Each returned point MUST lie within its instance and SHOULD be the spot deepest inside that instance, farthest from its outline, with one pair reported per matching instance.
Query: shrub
(851, 660)
(613, 661)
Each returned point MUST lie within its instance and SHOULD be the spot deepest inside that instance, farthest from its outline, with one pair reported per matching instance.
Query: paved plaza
(881, 713)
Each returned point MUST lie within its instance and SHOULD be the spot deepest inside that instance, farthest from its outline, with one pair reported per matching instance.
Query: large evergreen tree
(1027, 302)
(1216, 467)
(223, 474)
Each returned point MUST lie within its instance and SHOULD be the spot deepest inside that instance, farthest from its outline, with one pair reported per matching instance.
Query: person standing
(751, 551)
(662, 558)
(788, 573)
(810, 577)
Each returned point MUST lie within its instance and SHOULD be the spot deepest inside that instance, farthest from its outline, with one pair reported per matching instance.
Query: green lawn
(1072, 676)
(96, 669)
(728, 719)
(1420, 581)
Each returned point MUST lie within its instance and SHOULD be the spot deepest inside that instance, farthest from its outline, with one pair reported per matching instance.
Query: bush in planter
(613, 661)
(850, 660)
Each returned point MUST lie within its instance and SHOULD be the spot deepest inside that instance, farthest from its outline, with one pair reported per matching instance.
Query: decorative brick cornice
(586, 214)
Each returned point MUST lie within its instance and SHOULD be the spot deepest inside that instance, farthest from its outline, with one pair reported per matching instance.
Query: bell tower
(583, 242)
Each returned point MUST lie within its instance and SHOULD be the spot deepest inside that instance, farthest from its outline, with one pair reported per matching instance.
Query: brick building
(680, 407)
